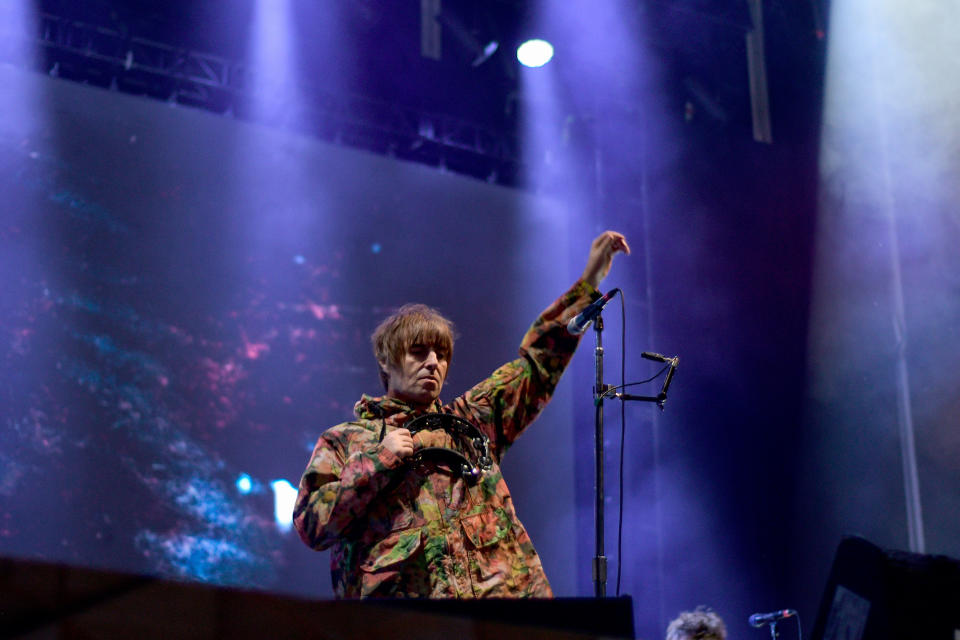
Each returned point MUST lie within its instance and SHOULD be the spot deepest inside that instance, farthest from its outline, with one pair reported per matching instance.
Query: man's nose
(432, 360)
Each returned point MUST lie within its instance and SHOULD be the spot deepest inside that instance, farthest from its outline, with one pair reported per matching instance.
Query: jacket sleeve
(514, 395)
(337, 487)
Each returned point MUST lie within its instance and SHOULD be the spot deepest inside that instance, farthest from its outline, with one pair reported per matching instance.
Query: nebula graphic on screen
(124, 377)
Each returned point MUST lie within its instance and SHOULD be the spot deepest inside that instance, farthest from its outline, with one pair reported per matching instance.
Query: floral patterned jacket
(403, 530)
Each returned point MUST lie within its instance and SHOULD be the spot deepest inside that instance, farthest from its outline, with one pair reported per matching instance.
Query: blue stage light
(284, 497)
(244, 484)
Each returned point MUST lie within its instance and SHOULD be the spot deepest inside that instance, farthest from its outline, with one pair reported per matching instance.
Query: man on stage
(404, 522)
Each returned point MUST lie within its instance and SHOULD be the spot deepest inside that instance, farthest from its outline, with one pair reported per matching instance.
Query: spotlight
(284, 499)
(244, 484)
(535, 53)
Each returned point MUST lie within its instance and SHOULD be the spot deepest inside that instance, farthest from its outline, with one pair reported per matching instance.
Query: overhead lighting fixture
(535, 53)
(484, 55)
(467, 37)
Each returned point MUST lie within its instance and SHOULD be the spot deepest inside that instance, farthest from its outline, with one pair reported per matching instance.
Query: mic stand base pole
(600, 393)
(599, 561)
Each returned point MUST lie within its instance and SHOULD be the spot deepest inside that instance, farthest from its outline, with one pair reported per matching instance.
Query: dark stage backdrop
(185, 307)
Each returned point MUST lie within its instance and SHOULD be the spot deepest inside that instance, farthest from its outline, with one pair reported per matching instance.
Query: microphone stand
(599, 560)
(602, 392)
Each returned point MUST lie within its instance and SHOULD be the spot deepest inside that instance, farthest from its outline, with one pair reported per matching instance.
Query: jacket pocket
(484, 529)
(392, 550)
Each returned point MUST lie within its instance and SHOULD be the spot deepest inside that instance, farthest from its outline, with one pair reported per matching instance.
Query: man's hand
(399, 442)
(604, 247)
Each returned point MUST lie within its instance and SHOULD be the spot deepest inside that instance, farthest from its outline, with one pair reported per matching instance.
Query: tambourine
(475, 457)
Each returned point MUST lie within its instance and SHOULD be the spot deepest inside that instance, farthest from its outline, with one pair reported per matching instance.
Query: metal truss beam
(104, 56)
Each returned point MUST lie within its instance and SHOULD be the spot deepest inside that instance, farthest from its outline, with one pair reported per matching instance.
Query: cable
(623, 429)
(623, 424)
(633, 384)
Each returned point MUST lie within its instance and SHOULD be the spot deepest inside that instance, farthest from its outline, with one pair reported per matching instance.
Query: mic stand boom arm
(660, 398)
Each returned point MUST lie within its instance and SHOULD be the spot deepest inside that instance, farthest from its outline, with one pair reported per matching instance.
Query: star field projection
(134, 397)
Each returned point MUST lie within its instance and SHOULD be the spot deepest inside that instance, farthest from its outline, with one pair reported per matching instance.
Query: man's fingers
(620, 242)
(400, 442)
(617, 242)
(613, 241)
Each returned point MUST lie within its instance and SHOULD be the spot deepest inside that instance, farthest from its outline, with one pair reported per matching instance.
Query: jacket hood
(374, 408)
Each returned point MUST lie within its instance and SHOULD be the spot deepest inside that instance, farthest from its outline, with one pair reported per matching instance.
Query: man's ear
(384, 373)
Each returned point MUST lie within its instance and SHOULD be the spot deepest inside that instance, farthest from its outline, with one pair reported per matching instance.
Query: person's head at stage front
(413, 348)
(700, 624)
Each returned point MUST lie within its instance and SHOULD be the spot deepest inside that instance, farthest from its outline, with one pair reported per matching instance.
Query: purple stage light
(535, 53)
(884, 304)
(18, 21)
(274, 85)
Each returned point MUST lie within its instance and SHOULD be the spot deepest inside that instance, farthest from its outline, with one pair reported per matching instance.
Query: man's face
(419, 377)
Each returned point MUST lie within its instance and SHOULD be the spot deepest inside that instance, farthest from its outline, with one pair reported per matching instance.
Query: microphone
(760, 619)
(583, 319)
(674, 362)
(656, 357)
